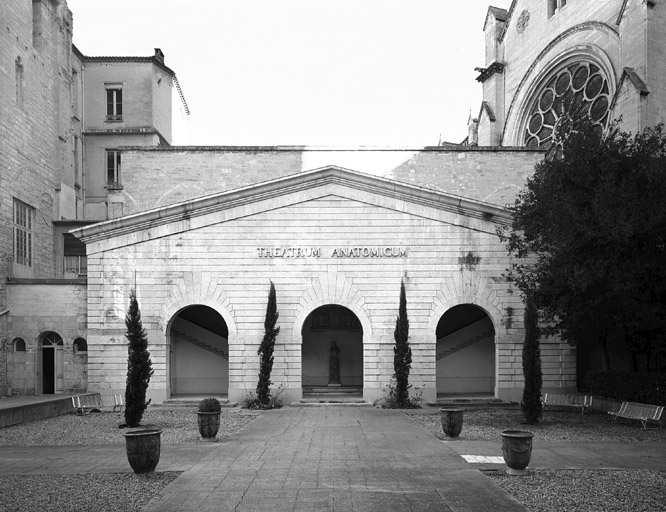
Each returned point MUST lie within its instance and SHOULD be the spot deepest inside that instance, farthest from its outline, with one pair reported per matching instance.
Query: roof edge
(288, 184)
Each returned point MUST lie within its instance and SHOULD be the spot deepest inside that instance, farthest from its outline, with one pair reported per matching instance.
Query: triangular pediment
(272, 195)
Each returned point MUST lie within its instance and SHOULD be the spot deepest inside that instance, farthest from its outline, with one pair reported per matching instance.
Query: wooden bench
(93, 403)
(567, 400)
(636, 411)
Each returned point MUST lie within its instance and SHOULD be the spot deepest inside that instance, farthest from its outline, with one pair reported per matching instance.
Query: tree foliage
(266, 348)
(139, 366)
(589, 234)
(402, 353)
(531, 403)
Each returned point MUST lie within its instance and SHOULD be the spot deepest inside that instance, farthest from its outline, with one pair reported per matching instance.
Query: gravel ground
(116, 492)
(586, 490)
(486, 425)
(178, 426)
(566, 490)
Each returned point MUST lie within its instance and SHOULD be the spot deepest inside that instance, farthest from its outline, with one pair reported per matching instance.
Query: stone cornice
(183, 212)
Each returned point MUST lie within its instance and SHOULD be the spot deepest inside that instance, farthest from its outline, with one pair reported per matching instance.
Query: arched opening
(52, 363)
(199, 352)
(465, 352)
(19, 345)
(332, 351)
(80, 346)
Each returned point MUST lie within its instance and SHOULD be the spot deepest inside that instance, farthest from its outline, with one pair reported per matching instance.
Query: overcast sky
(311, 72)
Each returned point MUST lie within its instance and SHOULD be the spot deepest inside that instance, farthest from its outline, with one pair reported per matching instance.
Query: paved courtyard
(333, 458)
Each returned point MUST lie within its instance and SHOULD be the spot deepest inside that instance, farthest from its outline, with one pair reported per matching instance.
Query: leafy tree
(139, 366)
(531, 404)
(266, 348)
(402, 353)
(589, 234)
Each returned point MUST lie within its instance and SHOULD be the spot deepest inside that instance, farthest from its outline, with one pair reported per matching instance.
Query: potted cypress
(208, 417)
(143, 445)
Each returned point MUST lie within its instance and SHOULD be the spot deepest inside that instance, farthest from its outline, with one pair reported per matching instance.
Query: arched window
(19, 345)
(80, 345)
(570, 93)
(51, 339)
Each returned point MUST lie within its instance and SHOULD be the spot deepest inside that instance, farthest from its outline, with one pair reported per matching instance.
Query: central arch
(199, 352)
(332, 350)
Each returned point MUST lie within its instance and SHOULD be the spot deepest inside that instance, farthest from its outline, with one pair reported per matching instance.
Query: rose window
(575, 92)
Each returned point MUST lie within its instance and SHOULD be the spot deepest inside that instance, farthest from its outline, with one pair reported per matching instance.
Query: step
(175, 403)
(470, 402)
(331, 402)
(332, 390)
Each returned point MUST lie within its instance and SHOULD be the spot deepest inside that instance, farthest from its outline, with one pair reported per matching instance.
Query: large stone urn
(517, 450)
(452, 421)
(143, 449)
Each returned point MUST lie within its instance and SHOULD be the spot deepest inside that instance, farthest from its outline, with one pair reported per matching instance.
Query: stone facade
(322, 238)
(40, 307)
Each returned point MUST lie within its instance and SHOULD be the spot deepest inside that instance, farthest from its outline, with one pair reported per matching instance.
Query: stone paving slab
(333, 458)
(110, 458)
(574, 455)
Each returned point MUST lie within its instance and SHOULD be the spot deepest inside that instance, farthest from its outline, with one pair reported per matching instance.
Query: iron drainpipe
(4, 341)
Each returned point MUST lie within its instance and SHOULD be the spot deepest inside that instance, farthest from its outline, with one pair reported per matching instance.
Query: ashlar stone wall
(326, 237)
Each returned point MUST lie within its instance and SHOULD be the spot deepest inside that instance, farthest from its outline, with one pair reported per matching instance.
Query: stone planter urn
(452, 421)
(209, 418)
(209, 425)
(143, 449)
(517, 450)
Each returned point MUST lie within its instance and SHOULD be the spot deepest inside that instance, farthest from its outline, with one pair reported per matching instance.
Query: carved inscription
(337, 252)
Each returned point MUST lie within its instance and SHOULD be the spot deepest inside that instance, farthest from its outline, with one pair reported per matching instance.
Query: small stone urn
(452, 421)
(208, 417)
(517, 450)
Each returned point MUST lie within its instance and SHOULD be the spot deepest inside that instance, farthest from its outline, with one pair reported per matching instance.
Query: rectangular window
(112, 168)
(75, 261)
(23, 221)
(554, 5)
(114, 102)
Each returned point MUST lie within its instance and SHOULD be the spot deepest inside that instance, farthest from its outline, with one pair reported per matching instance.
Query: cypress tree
(531, 404)
(402, 353)
(139, 366)
(266, 348)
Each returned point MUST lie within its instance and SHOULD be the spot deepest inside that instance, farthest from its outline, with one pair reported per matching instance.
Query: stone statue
(334, 365)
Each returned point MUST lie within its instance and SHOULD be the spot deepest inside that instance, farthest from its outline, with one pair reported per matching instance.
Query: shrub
(273, 402)
(647, 388)
(210, 405)
(391, 400)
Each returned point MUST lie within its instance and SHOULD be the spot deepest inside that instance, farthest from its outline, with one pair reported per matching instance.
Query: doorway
(52, 363)
(332, 351)
(465, 358)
